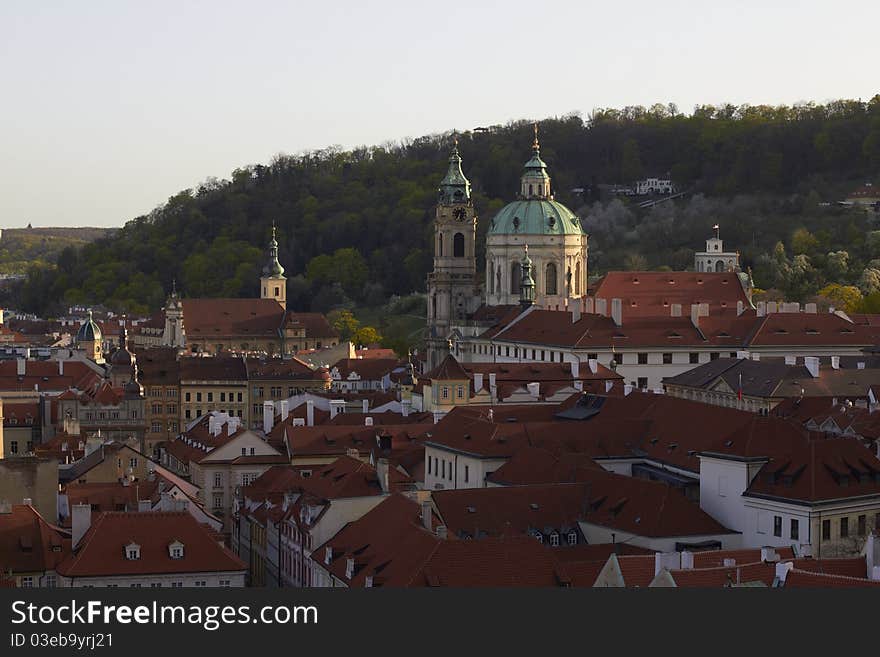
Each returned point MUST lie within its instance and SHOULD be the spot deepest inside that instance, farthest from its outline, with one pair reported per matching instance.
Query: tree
(803, 242)
(366, 336)
(631, 162)
(847, 297)
(636, 262)
(345, 323)
(869, 281)
(837, 265)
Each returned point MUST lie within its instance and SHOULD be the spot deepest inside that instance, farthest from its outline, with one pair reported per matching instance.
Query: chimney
(478, 381)
(675, 309)
(27, 501)
(212, 424)
(593, 365)
(438, 415)
(284, 408)
(668, 560)
(742, 355)
(835, 362)
(268, 416)
(534, 389)
(810, 308)
(602, 307)
(492, 380)
(365, 406)
(426, 514)
(768, 554)
(310, 413)
(589, 305)
(575, 313)
(760, 309)
(617, 311)
(772, 307)
(442, 532)
(860, 365)
(60, 367)
(328, 555)
(382, 467)
(792, 307)
(695, 314)
(21, 366)
(349, 568)
(368, 421)
(405, 405)
(782, 570)
(812, 364)
(368, 582)
(756, 356)
(791, 360)
(575, 369)
(608, 386)
(337, 406)
(80, 521)
(740, 308)
(627, 389)
(687, 560)
(872, 552)
(144, 506)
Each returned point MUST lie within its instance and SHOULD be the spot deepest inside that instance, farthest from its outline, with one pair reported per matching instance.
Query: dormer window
(554, 540)
(132, 551)
(572, 538)
(175, 550)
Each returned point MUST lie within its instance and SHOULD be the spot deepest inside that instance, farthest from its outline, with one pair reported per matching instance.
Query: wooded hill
(355, 226)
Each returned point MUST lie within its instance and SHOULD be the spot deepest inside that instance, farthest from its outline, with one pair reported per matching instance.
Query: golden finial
(536, 145)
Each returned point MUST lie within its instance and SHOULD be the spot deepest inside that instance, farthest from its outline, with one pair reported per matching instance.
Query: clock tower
(453, 293)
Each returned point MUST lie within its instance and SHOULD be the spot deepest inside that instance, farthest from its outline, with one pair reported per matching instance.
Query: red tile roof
(805, 579)
(764, 573)
(101, 552)
(366, 369)
(649, 293)
(716, 558)
(30, 544)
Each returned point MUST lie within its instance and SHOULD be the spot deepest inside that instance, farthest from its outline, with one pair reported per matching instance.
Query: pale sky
(107, 108)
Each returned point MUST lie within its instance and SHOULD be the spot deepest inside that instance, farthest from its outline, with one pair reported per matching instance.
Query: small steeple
(454, 188)
(527, 287)
(273, 268)
(535, 181)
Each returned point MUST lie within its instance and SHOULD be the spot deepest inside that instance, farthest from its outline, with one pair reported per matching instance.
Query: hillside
(20, 248)
(354, 226)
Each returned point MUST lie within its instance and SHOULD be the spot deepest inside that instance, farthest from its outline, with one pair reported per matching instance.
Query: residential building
(31, 547)
(213, 383)
(160, 377)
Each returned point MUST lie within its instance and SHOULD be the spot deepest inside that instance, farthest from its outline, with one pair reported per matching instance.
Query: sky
(107, 108)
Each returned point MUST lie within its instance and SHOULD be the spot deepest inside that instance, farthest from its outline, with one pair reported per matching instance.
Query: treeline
(354, 226)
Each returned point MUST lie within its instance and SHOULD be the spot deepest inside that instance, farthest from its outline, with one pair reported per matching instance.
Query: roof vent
(533, 506)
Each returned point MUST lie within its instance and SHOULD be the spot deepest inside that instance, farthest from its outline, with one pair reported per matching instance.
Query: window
(643, 358)
(445, 394)
(554, 540)
(618, 358)
(460, 392)
(188, 397)
(667, 359)
(210, 396)
(572, 538)
(863, 525)
(239, 401)
(27, 582)
(458, 246)
(443, 469)
(218, 500)
(51, 581)
(200, 583)
(222, 397)
(714, 355)
(132, 463)
(550, 283)
(467, 473)
(132, 552)
(225, 583)
(795, 529)
(176, 585)
(643, 383)
(826, 530)
(777, 525)
(175, 550)
(218, 480)
(198, 396)
(156, 585)
(844, 527)
(13, 446)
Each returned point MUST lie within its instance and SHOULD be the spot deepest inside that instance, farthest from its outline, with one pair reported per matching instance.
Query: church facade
(534, 229)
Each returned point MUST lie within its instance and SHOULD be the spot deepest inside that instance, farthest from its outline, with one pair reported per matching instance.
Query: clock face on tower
(460, 214)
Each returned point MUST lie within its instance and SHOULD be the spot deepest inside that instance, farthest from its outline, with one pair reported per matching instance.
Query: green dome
(535, 217)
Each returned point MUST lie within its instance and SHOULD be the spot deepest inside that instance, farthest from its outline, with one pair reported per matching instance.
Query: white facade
(159, 580)
(715, 258)
(447, 469)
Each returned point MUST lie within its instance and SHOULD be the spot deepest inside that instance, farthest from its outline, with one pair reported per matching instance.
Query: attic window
(846, 330)
(780, 331)
(471, 509)
(175, 550)
(812, 331)
(132, 551)
(533, 506)
(699, 281)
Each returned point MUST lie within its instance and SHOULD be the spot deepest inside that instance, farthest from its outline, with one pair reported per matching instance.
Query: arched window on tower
(577, 277)
(515, 278)
(719, 266)
(458, 245)
(550, 285)
(440, 245)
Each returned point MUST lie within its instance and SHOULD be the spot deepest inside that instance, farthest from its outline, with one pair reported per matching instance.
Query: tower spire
(536, 145)
(527, 287)
(273, 268)
(455, 188)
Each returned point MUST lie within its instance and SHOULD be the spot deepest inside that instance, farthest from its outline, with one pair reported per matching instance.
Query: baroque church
(536, 253)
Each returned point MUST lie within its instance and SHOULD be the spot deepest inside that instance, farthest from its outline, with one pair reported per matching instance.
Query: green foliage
(354, 227)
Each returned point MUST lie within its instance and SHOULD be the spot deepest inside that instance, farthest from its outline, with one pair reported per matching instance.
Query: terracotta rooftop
(29, 543)
(101, 552)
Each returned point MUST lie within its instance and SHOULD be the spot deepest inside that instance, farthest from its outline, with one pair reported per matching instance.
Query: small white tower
(715, 258)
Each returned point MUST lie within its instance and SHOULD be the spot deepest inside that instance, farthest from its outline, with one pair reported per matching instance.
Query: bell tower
(453, 293)
(273, 283)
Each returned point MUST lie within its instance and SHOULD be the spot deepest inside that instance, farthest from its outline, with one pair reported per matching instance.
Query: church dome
(89, 331)
(535, 212)
(535, 217)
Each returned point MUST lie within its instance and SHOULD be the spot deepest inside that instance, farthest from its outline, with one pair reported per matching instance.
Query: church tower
(453, 292)
(174, 335)
(273, 283)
